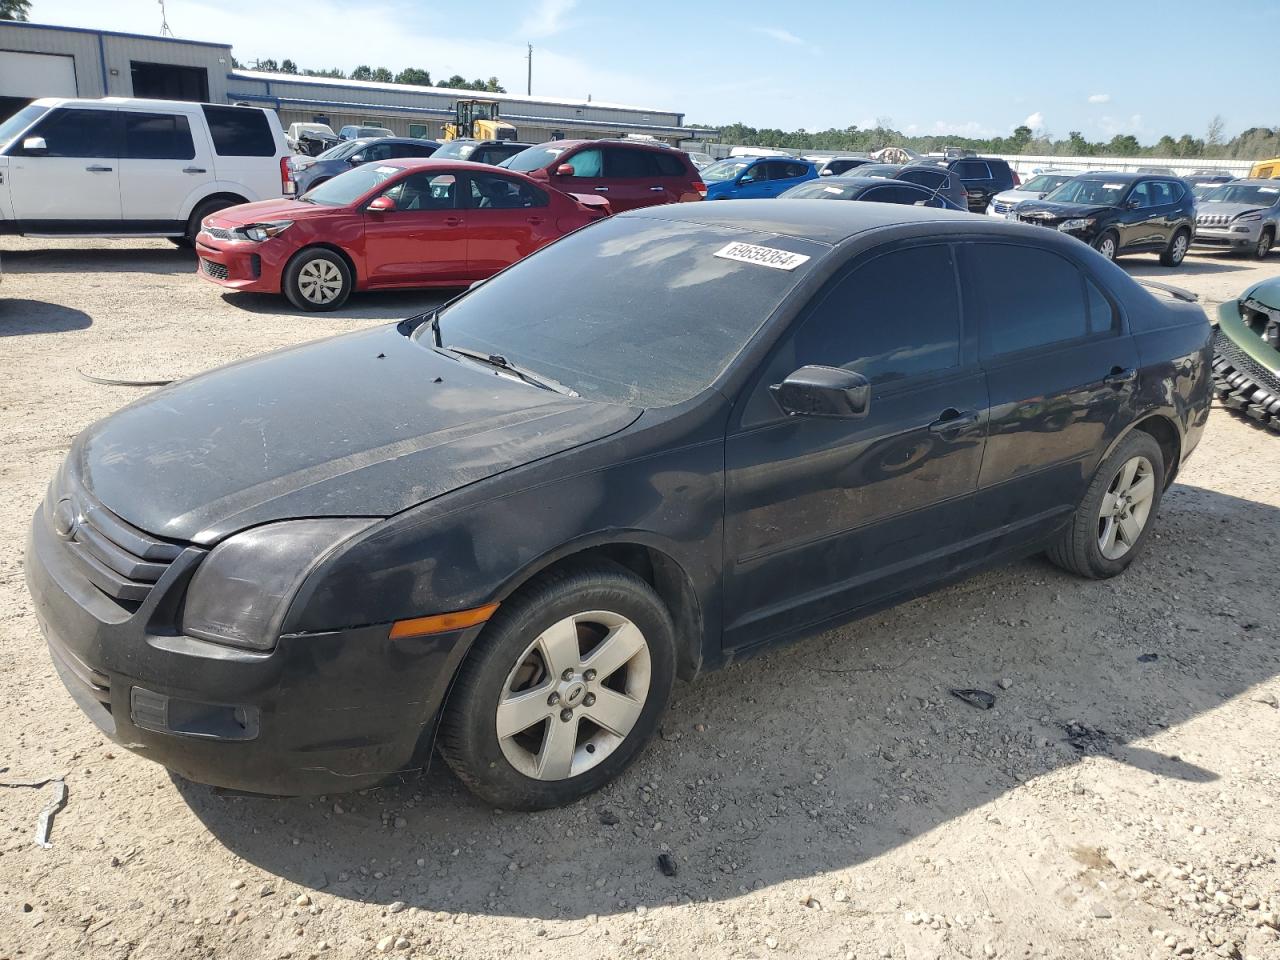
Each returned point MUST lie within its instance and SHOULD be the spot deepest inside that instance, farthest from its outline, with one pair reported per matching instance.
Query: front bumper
(1229, 236)
(254, 267)
(1244, 384)
(321, 713)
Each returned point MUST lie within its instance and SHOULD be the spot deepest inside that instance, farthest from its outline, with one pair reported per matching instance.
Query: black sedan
(1121, 213)
(871, 189)
(506, 527)
(932, 176)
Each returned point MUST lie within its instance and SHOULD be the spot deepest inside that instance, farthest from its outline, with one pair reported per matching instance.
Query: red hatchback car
(629, 173)
(401, 223)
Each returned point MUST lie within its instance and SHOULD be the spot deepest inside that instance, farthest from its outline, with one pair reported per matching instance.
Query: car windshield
(342, 150)
(1045, 182)
(657, 309)
(1101, 192)
(455, 150)
(723, 170)
(1251, 193)
(828, 188)
(19, 122)
(348, 187)
(535, 158)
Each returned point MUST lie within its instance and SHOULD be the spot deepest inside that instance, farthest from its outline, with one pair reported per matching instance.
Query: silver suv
(1240, 215)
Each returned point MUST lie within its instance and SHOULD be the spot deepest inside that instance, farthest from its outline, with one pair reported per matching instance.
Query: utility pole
(529, 85)
(164, 22)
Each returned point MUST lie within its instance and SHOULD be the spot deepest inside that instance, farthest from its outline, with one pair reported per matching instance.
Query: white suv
(120, 167)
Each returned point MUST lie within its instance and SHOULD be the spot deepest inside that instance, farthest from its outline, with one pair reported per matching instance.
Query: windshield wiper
(502, 363)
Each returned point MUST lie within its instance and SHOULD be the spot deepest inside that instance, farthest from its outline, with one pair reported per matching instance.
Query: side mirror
(565, 170)
(34, 145)
(826, 172)
(382, 204)
(1133, 204)
(358, 159)
(816, 391)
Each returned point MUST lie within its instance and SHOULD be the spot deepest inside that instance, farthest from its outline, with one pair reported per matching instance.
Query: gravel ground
(826, 800)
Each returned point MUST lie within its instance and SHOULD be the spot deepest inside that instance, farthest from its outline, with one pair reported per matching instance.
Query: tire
(1108, 244)
(531, 655)
(317, 279)
(208, 208)
(1176, 252)
(1263, 246)
(1082, 548)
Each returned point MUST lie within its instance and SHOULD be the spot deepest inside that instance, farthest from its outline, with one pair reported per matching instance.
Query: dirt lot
(828, 800)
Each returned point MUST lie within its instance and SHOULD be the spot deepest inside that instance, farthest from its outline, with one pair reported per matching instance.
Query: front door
(424, 239)
(507, 219)
(1060, 371)
(75, 178)
(1140, 219)
(823, 516)
(161, 163)
(588, 174)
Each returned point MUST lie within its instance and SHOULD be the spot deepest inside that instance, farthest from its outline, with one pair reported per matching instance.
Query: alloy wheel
(1264, 246)
(574, 695)
(320, 281)
(1179, 248)
(1126, 507)
(1107, 247)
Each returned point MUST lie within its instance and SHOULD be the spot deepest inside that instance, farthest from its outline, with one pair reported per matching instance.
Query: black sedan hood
(367, 424)
(1061, 210)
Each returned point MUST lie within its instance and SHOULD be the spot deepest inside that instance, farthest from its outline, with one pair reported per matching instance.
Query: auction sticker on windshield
(761, 256)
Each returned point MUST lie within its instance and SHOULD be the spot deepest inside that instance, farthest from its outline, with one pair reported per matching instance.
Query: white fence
(1027, 164)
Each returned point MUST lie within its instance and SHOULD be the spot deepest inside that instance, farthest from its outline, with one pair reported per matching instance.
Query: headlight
(242, 590)
(1249, 216)
(1078, 224)
(257, 232)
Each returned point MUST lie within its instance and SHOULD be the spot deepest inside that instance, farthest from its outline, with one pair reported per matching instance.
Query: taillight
(1017, 180)
(701, 188)
(288, 187)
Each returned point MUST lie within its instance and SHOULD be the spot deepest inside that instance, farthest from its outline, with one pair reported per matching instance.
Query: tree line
(1256, 143)
(410, 75)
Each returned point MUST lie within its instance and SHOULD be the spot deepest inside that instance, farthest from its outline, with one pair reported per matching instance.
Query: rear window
(157, 136)
(669, 165)
(972, 169)
(240, 132)
(656, 311)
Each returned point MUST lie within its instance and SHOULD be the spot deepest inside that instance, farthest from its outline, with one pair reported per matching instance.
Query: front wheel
(317, 279)
(1177, 249)
(1263, 246)
(564, 687)
(1107, 245)
(1111, 524)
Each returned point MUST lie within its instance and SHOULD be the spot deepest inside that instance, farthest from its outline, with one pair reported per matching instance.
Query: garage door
(34, 75)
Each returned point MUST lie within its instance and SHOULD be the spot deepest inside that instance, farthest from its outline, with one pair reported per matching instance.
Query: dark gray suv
(310, 172)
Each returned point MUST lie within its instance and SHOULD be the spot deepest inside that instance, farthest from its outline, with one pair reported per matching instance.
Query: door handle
(602, 189)
(98, 169)
(194, 170)
(952, 419)
(1119, 376)
(452, 221)
(657, 189)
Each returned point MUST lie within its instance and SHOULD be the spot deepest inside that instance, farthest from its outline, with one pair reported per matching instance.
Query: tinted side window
(896, 194)
(928, 178)
(496, 192)
(796, 170)
(1144, 193)
(412, 150)
(1103, 318)
(424, 191)
(79, 133)
(624, 164)
(240, 132)
(377, 151)
(669, 165)
(895, 316)
(587, 163)
(1028, 297)
(972, 170)
(157, 136)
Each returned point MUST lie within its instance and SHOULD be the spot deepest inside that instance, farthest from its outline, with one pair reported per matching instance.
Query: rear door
(1061, 372)
(823, 516)
(75, 179)
(908, 194)
(423, 240)
(633, 178)
(507, 219)
(161, 163)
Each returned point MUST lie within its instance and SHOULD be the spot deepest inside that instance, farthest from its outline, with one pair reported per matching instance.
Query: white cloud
(1114, 125)
(961, 128)
(547, 18)
(777, 33)
(1035, 122)
(1100, 98)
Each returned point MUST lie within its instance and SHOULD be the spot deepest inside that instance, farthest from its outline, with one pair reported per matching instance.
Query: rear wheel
(1263, 246)
(1177, 250)
(562, 690)
(317, 279)
(1107, 245)
(1111, 524)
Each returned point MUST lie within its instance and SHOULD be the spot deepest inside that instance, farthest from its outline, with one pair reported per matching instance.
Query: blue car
(744, 178)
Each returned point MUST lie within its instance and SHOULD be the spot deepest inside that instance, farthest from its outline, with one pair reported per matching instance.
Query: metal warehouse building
(46, 61)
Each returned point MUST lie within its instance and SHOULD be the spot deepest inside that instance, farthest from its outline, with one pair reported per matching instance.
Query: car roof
(413, 163)
(1252, 181)
(393, 140)
(1119, 176)
(824, 222)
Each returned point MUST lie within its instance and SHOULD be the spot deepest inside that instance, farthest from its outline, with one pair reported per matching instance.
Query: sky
(924, 66)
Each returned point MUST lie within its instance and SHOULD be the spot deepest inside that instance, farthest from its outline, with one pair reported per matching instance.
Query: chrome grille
(116, 557)
(1002, 207)
(218, 233)
(1212, 219)
(215, 270)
